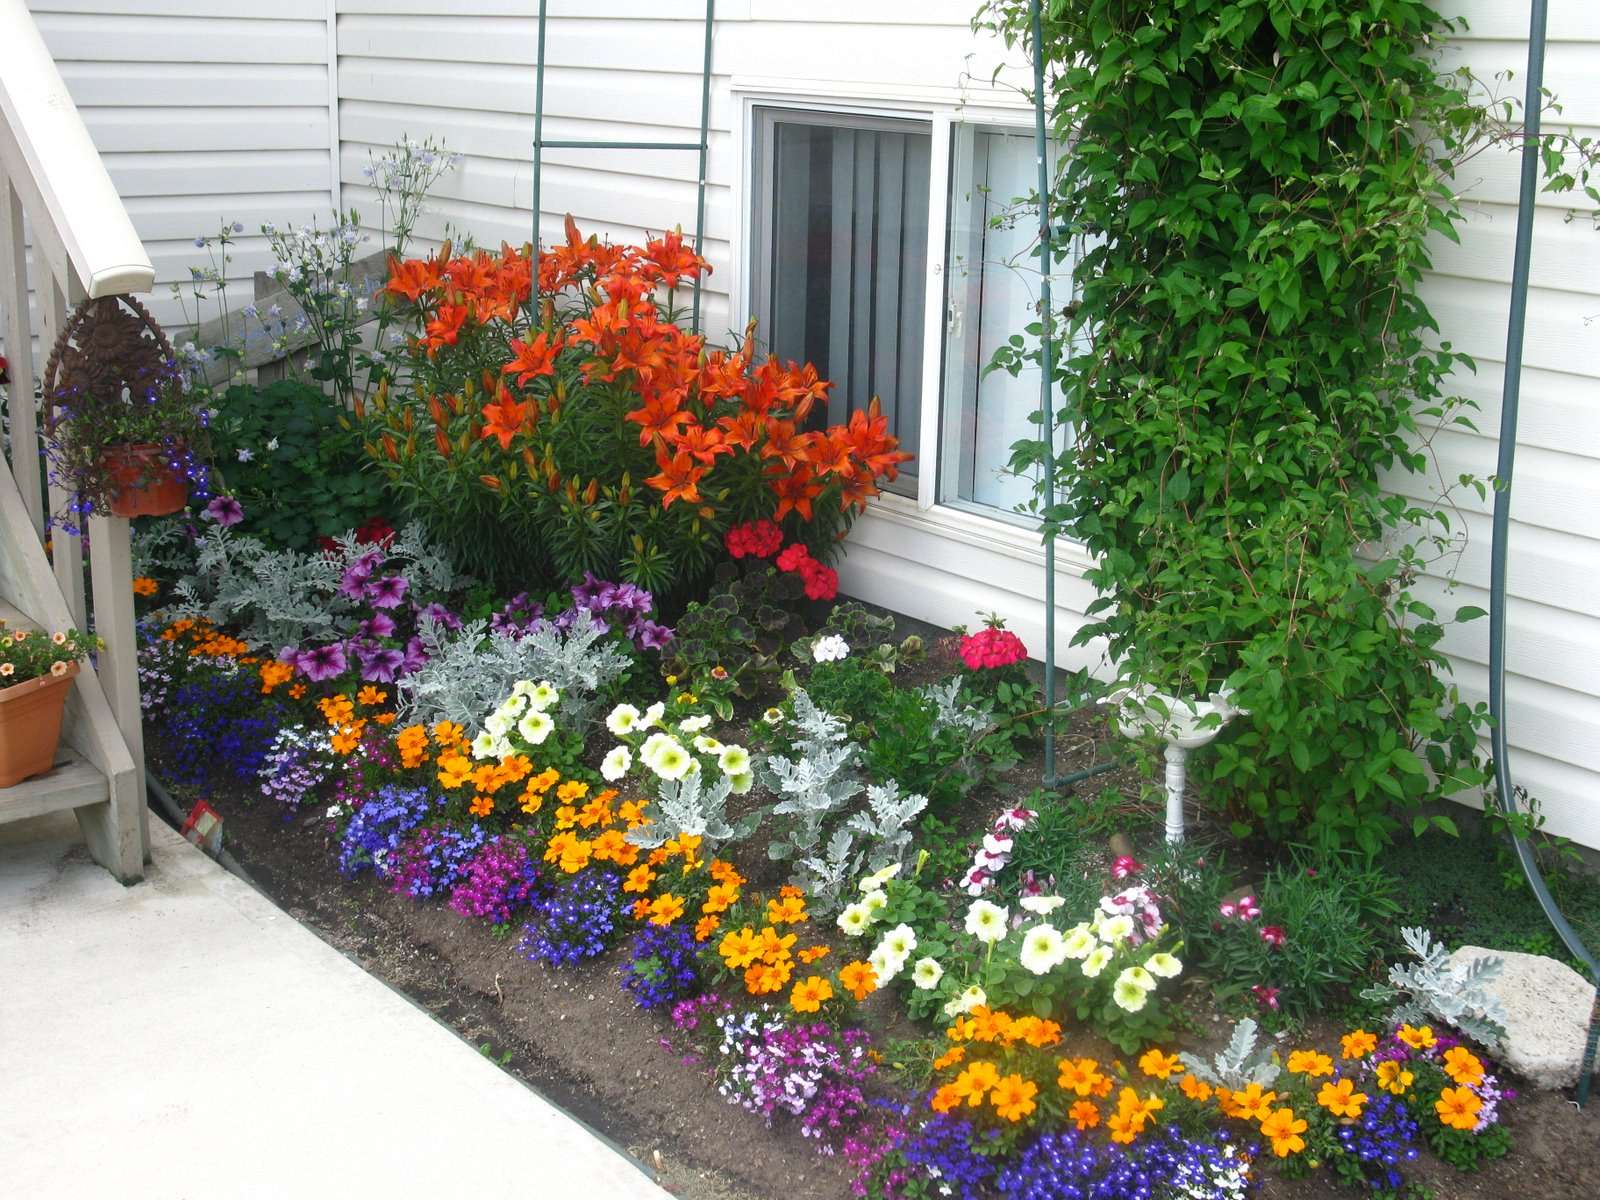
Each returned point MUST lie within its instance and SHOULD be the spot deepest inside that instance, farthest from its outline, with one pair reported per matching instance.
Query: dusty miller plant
(691, 805)
(816, 783)
(1239, 1064)
(1431, 987)
(284, 597)
(884, 830)
(470, 671)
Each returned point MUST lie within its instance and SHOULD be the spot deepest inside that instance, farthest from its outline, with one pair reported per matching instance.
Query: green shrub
(299, 476)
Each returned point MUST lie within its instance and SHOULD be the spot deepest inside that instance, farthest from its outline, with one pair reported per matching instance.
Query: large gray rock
(1547, 1007)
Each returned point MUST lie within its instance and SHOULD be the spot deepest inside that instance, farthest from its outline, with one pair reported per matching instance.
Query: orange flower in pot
(36, 670)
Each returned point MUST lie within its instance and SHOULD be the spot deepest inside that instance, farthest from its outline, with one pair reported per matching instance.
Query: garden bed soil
(576, 1037)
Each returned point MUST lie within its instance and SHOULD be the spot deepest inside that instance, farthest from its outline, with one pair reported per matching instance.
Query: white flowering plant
(525, 723)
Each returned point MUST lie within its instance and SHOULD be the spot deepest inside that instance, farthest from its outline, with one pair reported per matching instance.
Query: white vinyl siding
(204, 111)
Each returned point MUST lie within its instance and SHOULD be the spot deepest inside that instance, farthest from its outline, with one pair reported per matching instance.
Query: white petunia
(535, 727)
(707, 745)
(653, 746)
(672, 761)
(973, 997)
(1116, 929)
(1127, 994)
(733, 760)
(1139, 977)
(875, 881)
(1097, 960)
(522, 687)
(694, 724)
(741, 783)
(624, 718)
(986, 921)
(615, 764)
(1043, 905)
(876, 902)
(544, 696)
(926, 974)
(885, 963)
(1080, 943)
(900, 940)
(1163, 964)
(483, 746)
(832, 648)
(497, 724)
(1043, 949)
(854, 920)
(652, 715)
(514, 704)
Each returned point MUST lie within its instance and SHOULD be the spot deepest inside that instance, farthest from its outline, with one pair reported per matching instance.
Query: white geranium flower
(832, 648)
(1043, 905)
(535, 727)
(1080, 943)
(1097, 960)
(741, 783)
(733, 760)
(615, 764)
(854, 920)
(1043, 949)
(672, 761)
(973, 997)
(986, 921)
(694, 724)
(624, 718)
(875, 881)
(1127, 994)
(926, 973)
(1164, 965)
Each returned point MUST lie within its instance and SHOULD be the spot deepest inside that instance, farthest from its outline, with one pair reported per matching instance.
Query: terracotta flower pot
(30, 725)
(147, 486)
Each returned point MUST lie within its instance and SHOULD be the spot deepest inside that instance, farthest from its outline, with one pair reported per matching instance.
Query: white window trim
(941, 108)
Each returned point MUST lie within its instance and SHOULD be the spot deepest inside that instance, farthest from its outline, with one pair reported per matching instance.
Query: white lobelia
(1043, 949)
(926, 973)
(986, 921)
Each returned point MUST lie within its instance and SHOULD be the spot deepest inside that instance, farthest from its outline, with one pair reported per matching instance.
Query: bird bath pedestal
(1185, 724)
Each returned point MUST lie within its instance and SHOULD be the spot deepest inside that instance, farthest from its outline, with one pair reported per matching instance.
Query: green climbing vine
(1254, 184)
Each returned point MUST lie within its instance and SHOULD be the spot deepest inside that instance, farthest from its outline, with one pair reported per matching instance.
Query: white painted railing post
(18, 331)
(111, 566)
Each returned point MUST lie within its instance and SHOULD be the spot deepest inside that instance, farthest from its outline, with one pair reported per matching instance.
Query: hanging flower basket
(30, 724)
(146, 482)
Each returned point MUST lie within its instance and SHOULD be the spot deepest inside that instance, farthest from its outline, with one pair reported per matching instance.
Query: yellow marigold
(1251, 1104)
(665, 909)
(1417, 1039)
(631, 813)
(945, 1099)
(975, 1081)
(145, 586)
(789, 911)
(990, 1025)
(337, 710)
(810, 994)
(385, 718)
(1196, 1089)
(719, 897)
(530, 801)
(566, 817)
(454, 769)
(1284, 1129)
(514, 768)
(1358, 1043)
(1012, 1097)
(487, 778)
(738, 949)
(705, 927)
(789, 892)
(1037, 1032)
(1158, 1065)
(609, 845)
(572, 791)
(641, 909)
(298, 692)
(775, 947)
(448, 733)
(859, 979)
(1309, 1063)
(765, 978)
(274, 674)
(1085, 1114)
(1126, 1125)
(812, 953)
(1392, 1077)
(1458, 1108)
(1463, 1066)
(961, 1029)
(725, 872)
(1341, 1098)
(950, 1057)
(1078, 1075)
(348, 737)
(639, 880)
(370, 695)
(481, 806)
(545, 780)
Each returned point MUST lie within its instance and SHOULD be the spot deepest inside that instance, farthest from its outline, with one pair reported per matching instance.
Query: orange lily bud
(390, 448)
(409, 421)
(490, 481)
(528, 459)
(455, 404)
(437, 409)
(411, 446)
(358, 408)
(572, 491)
(441, 441)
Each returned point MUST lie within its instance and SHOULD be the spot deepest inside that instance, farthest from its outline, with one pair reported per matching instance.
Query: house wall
(212, 108)
(204, 111)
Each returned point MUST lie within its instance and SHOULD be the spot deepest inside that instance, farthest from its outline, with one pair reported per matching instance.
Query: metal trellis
(541, 143)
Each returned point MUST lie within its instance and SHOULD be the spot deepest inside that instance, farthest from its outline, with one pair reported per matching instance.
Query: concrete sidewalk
(185, 1040)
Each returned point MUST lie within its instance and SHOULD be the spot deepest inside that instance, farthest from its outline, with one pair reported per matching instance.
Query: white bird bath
(1184, 723)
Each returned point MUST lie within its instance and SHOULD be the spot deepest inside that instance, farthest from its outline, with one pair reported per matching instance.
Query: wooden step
(71, 783)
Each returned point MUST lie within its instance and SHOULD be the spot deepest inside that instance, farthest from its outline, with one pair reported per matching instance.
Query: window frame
(943, 111)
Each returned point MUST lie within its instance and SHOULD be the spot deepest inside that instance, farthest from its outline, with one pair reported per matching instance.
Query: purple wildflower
(225, 511)
(379, 663)
(322, 663)
(387, 592)
(379, 625)
(648, 635)
(439, 615)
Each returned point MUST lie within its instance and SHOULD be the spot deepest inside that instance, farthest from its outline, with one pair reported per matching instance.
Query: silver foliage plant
(470, 671)
(1433, 988)
(884, 833)
(691, 806)
(1239, 1064)
(282, 597)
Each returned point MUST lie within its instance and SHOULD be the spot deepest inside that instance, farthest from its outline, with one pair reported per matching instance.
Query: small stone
(1547, 1007)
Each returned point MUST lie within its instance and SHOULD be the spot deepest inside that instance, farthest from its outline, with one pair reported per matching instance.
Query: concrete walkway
(185, 1040)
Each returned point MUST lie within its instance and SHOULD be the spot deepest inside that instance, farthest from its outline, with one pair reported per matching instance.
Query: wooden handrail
(47, 154)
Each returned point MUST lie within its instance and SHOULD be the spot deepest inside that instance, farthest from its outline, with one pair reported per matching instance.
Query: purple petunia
(379, 625)
(353, 583)
(439, 615)
(648, 635)
(322, 663)
(415, 656)
(225, 511)
(379, 664)
(388, 592)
